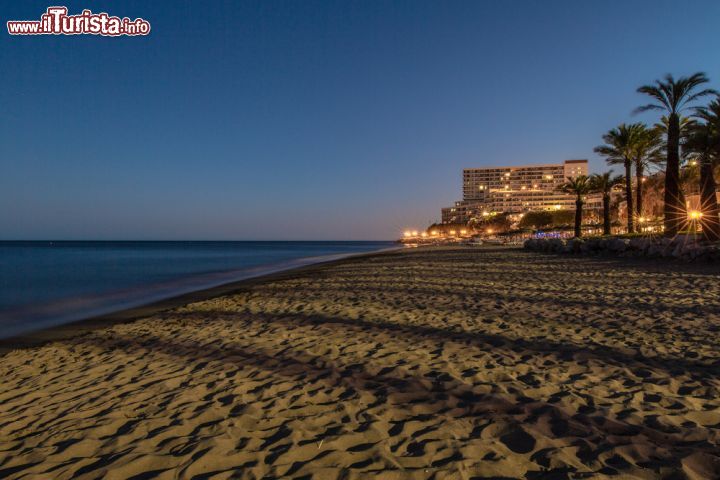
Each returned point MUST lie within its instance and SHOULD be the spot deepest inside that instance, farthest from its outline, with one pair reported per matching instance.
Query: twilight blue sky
(314, 120)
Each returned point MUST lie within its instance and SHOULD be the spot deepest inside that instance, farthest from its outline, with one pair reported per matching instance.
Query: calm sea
(45, 284)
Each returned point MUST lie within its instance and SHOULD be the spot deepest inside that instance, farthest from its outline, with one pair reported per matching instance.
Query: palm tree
(673, 96)
(704, 144)
(605, 183)
(578, 186)
(647, 151)
(620, 148)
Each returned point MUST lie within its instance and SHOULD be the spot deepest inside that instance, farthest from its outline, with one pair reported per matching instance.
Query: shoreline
(65, 331)
(269, 273)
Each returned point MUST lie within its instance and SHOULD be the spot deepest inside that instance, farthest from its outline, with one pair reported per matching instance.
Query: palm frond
(703, 93)
(621, 143)
(672, 94)
(646, 108)
(657, 92)
(579, 185)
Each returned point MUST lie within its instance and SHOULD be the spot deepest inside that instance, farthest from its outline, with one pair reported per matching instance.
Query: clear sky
(314, 120)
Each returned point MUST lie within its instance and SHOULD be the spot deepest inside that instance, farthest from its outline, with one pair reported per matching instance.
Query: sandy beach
(425, 363)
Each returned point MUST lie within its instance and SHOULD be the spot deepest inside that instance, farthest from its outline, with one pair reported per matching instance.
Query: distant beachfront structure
(514, 189)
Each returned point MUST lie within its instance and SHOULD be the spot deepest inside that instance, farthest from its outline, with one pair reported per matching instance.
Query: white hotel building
(514, 189)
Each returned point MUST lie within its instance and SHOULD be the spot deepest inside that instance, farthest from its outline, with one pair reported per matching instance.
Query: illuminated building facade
(514, 189)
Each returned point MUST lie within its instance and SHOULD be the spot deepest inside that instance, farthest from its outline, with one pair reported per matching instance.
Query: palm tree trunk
(578, 217)
(674, 206)
(606, 214)
(639, 188)
(629, 196)
(708, 202)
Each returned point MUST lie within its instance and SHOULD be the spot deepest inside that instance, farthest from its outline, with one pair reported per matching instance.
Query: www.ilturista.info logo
(56, 21)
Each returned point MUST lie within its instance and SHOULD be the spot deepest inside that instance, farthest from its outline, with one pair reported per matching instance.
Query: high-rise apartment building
(514, 189)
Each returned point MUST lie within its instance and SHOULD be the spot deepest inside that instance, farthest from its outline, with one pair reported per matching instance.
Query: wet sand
(426, 363)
